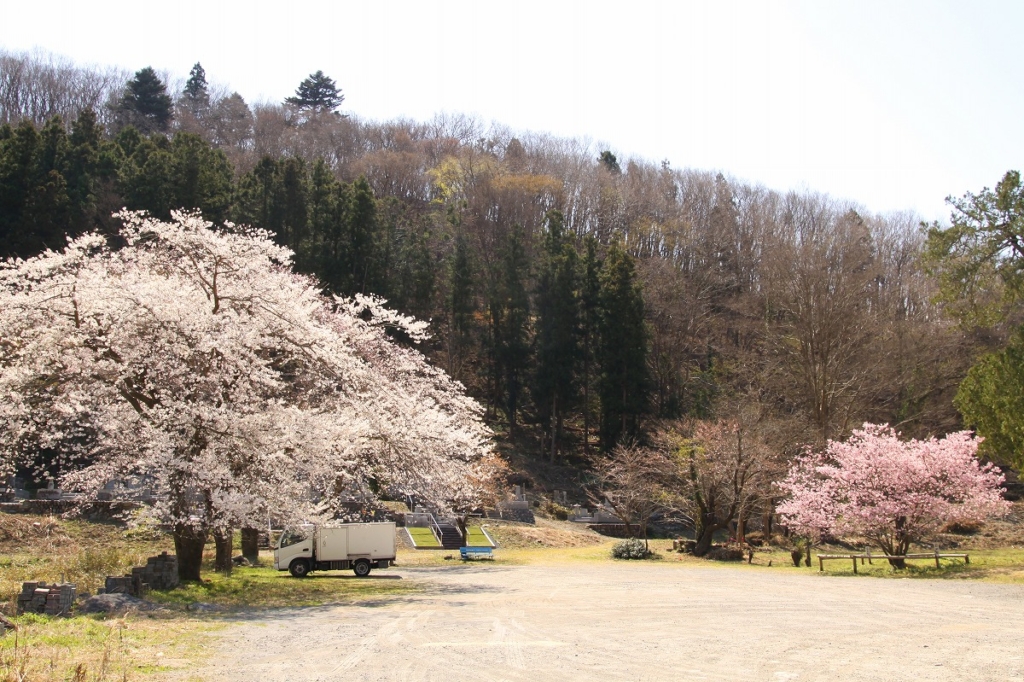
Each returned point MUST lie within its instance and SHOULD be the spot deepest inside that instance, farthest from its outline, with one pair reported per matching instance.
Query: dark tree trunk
(188, 547)
(251, 545)
(704, 539)
(460, 521)
(741, 528)
(766, 526)
(222, 538)
(554, 427)
(898, 546)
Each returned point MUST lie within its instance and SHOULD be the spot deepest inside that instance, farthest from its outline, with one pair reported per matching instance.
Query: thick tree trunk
(188, 547)
(251, 545)
(554, 427)
(898, 545)
(741, 528)
(704, 540)
(222, 538)
(766, 526)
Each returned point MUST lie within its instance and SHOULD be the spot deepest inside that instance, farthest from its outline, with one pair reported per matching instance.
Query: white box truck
(359, 546)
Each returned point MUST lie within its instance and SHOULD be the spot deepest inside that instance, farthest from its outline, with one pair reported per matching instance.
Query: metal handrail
(435, 528)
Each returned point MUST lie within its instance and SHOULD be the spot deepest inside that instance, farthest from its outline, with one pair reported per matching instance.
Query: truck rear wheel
(361, 568)
(299, 568)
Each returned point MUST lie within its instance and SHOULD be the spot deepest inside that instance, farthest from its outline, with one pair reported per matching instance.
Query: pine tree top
(146, 95)
(318, 93)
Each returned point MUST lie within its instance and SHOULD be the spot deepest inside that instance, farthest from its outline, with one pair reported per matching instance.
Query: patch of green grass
(475, 537)
(91, 648)
(262, 587)
(423, 537)
(997, 565)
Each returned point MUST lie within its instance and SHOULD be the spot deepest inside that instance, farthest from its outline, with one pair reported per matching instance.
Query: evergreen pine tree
(622, 349)
(144, 176)
(201, 177)
(460, 305)
(293, 209)
(557, 341)
(83, 172)
(316, 94)
(417, 278)
(145, 103)
(590, 293)
(195, 98)
(610, 163)
(509, 308)
(362, 225)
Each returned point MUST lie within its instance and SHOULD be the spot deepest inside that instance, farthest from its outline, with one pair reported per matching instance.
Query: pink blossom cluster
(894, 492)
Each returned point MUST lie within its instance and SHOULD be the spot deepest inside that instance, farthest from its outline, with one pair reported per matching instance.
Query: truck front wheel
(361, 568)
(299, 568)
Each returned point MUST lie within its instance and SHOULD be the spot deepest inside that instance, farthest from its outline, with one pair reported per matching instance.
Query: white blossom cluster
(193, 360)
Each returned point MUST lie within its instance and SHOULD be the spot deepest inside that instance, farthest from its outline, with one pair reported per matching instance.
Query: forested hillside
(582, 298)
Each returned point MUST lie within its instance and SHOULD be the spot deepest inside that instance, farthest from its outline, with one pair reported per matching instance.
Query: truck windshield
(292, 536)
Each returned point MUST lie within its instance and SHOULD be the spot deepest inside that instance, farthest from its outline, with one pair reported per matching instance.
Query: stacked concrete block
(159, 573)
(53, 600)
(118, 584)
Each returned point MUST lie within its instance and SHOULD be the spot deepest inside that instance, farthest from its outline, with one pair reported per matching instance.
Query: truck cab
(294, 543)
(357, 546)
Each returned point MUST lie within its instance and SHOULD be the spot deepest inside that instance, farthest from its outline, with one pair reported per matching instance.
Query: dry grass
(53, 549)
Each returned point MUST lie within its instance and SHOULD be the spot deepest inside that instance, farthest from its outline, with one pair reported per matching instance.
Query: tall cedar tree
(362, 231)
(556, 378)
(145, 102)
(590, 298)
(317, 94)
(196, 96)
(48, 184)
(159, 176)
(622, 350)
(413, 287)
(510, 315)
(461, 305)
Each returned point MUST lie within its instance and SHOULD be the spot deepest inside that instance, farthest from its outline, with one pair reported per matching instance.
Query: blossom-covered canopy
(193, 361)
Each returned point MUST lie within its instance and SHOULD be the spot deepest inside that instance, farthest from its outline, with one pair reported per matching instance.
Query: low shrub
(720, 553)
(633, 548)
(556, 510)
(757, 539)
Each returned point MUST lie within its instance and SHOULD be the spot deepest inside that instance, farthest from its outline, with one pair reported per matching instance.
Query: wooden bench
(478, 552)
(868, 556)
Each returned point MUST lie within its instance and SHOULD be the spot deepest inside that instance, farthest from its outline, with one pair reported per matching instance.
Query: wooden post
(967, 559)
(821, 564)
(855, 565)
(936, 557)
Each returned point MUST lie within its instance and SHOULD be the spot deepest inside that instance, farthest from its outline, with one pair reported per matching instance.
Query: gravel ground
(638, 621)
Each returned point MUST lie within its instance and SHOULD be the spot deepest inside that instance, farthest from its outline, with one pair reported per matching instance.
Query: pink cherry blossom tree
(891, 491)
(194, 363)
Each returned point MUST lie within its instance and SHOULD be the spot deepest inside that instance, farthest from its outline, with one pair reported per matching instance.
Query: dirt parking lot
(638, 621)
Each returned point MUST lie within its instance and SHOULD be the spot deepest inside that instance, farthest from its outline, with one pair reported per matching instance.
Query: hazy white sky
(892, 104)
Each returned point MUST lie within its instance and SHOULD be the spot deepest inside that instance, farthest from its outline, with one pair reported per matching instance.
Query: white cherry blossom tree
(193, 361)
